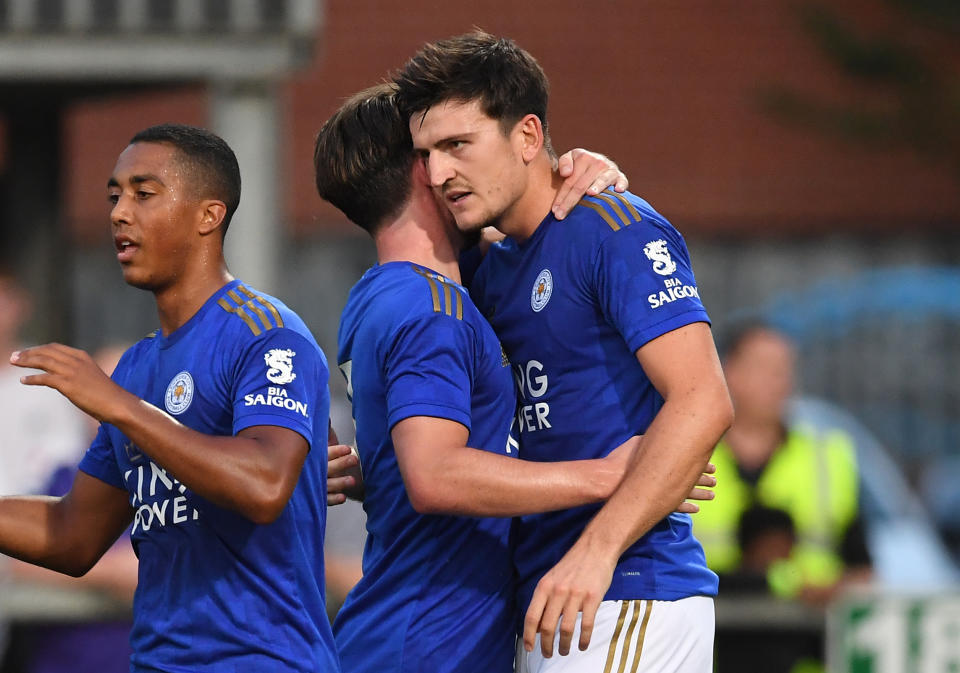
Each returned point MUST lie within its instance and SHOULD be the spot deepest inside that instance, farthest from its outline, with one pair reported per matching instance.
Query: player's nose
(120, 212)
(439, 169)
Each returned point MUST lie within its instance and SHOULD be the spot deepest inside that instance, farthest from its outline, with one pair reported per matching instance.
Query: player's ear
(211, 216)
(529, 132)
(420, 174)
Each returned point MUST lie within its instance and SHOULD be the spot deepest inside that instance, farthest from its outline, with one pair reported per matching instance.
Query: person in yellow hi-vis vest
(808, 473)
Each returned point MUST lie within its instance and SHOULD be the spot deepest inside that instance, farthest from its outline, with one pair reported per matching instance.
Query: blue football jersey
(571, 306)
(217, 592)
(437, 591)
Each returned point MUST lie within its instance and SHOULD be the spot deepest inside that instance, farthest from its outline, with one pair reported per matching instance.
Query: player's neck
(523, 218)
(179, 301)
(419, 237)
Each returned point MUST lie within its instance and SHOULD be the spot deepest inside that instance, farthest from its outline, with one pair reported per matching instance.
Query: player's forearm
(32, 529)
(471, 482)
(233, 472)
(677, 446)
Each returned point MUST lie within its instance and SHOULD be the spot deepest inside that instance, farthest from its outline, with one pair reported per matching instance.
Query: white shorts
(635, 637)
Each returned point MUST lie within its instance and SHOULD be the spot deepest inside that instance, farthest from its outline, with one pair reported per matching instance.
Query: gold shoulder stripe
(450, 294)
(616, 207)
(447, 299)
(238, 310)
(434, 292)
(263, 302)
(626, 203)
(603, 213)
(252, 307)
(152, 334)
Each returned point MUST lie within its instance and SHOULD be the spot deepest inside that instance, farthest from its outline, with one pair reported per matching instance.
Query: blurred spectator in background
(40, 431)
(97, 647)
(809, 474)
(766, 537)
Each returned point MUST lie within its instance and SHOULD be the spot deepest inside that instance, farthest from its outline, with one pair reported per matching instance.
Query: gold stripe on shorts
(629, 637)
(643, 633)
(612, 651)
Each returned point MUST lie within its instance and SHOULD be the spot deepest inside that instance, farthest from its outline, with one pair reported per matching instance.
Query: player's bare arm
(443, 475)
(253, 473)
(696, 412)
(67, 534)
(345, 480)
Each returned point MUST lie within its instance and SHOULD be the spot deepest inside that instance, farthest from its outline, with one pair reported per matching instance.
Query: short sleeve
(645, 283)
(99, 461)
(281, 380)
(429, 370)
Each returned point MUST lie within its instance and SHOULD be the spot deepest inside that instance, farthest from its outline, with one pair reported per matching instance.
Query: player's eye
(113, 198)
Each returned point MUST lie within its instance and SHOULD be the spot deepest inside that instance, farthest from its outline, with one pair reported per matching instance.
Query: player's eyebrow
(137, 180)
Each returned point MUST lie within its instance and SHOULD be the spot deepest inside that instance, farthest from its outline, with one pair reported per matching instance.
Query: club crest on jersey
(279, 365)
(179, 393)
(656, 252)
(542, 289)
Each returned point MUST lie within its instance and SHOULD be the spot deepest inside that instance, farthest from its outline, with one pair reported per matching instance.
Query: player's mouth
(126, 249)
(457, 197)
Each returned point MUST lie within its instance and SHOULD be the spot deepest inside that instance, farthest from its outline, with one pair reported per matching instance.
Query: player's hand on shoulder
(344, 478)
(586, 173)
(74, 374)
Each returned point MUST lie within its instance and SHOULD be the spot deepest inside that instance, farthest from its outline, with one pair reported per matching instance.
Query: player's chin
(136, 277)
(469, 224)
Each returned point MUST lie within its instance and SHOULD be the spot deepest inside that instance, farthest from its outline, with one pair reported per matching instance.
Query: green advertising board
(873, 633)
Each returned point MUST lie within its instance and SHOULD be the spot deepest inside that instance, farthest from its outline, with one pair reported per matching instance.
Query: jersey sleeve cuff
(304, 429)
(651, 332)
(429, 409)
(102, 470)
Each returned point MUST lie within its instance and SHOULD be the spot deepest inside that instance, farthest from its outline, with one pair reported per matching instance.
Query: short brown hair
(363, 158)
(507, 80)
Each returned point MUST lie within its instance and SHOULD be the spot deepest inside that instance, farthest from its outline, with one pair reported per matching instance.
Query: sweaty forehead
(159, 160)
